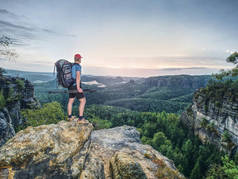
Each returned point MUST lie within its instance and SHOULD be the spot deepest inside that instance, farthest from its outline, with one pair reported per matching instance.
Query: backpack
(64, 73)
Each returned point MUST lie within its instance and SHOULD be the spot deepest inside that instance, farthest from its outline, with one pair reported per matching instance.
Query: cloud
(230, 51)
(3, 59)
(57, 33)
(11, 40)
(168, 61)
(6, 12)
(15, 32)
(25, 33)
(17, 26)
(191, 68)
(169, 57)
(102, 71)
(14, 26)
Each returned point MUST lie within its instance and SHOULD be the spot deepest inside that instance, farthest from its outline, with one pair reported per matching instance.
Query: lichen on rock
(43, 150)
(73, 150)
(124, 166)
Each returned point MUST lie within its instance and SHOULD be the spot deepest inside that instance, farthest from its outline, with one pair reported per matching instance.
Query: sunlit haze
(124, 38)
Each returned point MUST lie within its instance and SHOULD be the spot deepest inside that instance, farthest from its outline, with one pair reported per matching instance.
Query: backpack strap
(75, 78)
(56, 84)
(75, 64)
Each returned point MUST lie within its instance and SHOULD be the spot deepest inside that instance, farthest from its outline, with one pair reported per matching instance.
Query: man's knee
(82, 100)
(71, 100)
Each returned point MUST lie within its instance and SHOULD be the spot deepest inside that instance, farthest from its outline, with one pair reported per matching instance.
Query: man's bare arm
(78, 81)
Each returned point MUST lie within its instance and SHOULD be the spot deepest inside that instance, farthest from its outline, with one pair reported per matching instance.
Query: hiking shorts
(73, 95)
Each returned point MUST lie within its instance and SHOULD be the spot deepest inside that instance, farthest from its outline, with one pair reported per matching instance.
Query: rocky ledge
(72, 150)
(15, 94)
(214, 121)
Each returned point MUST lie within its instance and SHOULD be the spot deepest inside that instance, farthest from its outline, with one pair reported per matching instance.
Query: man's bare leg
(81, 107)
(69, 107)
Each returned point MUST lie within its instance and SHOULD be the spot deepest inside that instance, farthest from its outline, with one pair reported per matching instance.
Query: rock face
(6, 128)
(214, 121)
(178, 81)
(72, 150)
(17, 94)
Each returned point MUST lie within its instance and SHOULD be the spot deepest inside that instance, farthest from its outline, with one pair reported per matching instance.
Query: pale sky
(122, 34)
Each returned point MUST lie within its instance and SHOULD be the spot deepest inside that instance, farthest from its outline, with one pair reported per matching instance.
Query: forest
(154, 65)
(162, 129)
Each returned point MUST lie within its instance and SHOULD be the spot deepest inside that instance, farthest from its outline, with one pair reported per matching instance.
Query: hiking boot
(71, 118)
(81, 119)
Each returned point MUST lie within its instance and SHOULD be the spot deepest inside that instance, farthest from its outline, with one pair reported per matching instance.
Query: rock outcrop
(72, 150)
(16, 94)
(214, 121)
(6, 128)
(178, 81)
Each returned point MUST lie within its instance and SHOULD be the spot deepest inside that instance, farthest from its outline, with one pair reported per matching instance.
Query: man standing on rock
(76, 86)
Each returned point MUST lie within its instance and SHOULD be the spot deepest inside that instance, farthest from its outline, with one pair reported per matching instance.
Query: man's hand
(80, 90)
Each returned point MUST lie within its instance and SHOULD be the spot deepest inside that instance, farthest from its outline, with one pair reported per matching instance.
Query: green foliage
(187, 150)
(236, 158)
(223, 84)
(159, 139)
(2, 100)
(228, 169)
(204, 122)
(233, 58)
(10, 92)
(206, 108)
(149, 112)
(12, 96)
(149, 104)
(99, 123)
(222, 74)
(196, 171)
(146, 140)
(218, 104)
(217, 90)
(207, 156)
(138, 96)
(211, 127)
(215, 171)
(20, 84)
(165, 132)
(48, 114)
(226, 136)
(2, 71)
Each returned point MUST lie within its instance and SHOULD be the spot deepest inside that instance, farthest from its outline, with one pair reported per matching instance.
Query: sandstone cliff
(178, 81)
(214, 120)
(72, 150)
(16, 94)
